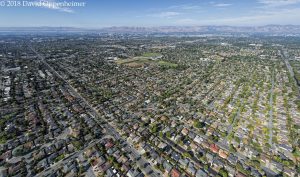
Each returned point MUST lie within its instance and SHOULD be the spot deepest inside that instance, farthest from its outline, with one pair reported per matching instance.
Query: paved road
(97, 116)
(236, 118)
(285, 57)
(271, 111)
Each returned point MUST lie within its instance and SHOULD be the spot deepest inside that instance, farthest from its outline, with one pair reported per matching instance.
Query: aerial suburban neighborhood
(149, 105)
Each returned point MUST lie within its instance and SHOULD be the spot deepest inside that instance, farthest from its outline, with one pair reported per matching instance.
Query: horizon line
(132, 26)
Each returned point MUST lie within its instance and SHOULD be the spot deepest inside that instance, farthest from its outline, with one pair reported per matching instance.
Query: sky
(149, 13)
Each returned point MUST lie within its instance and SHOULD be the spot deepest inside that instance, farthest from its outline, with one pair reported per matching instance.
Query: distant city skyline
(148, 13)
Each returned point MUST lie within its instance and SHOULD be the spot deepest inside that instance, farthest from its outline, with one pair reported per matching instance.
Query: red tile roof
(174, 173)
(214, 148)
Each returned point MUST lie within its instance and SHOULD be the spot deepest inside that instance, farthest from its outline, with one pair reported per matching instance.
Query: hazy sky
(102, 13)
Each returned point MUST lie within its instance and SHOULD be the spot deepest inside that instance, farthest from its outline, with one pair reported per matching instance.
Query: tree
(206, 167)
(154, 128)
(111, 159)
(232, 148)
(198, 124)
(168, 134)
(223, 172)
(186, 155)
(161, 134)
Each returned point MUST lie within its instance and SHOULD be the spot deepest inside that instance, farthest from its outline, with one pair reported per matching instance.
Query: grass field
(167, 64)
(146, 58)
(151, 54)
(135, 62)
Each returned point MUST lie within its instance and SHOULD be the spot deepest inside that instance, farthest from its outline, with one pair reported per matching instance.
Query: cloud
(213, 3)
(184, 7)
(168, 14)
(277, 3)
(283, 16)
(263, 13)
(222, 5)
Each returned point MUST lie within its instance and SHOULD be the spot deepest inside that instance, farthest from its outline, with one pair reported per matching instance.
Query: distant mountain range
(268, 29)
(284, 29)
